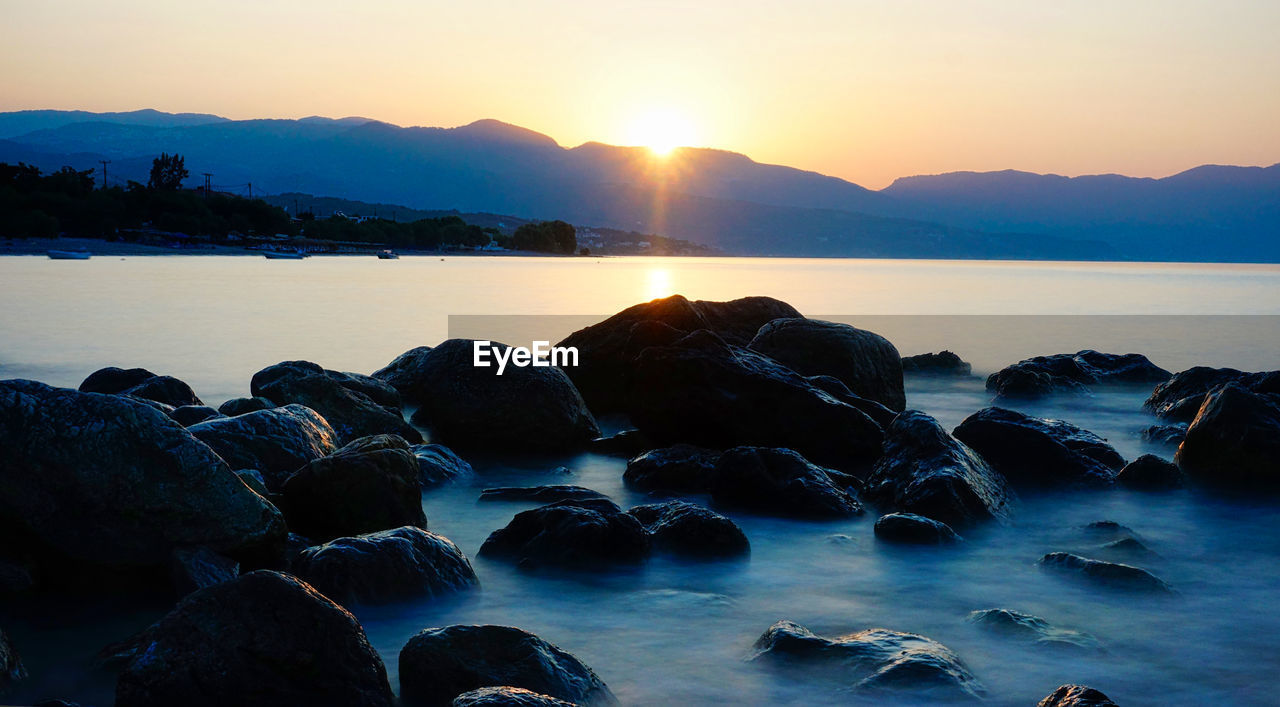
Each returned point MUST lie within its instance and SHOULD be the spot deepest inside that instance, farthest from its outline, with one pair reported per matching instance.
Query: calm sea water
(677, 633)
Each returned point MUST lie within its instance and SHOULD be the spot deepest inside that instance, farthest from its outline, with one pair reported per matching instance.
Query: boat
(285, 255)
(69, 255)
(387, 255)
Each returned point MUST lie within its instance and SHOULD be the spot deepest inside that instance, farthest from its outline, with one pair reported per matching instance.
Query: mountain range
(714, 197)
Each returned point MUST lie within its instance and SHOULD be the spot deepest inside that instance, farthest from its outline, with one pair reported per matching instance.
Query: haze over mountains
(718, 198)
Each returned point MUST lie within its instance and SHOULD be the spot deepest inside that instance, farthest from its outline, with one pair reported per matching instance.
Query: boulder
(1032, 629)
(1073, 373)
(862, 360)
(943, 363)
(1234, 440)
(506, 697)
(241, 406)
(608, 350)
(192, 568)
(437, 465)
(11, 668)
(189, 415)
(925, 471)
(690, 530)
(1076, 696)
(265, 638)
(404, 372)
(1164, 435)
(837, 389)
(702, 390)
(912, 529)
(1108, 574)
(1032, 452)
(1180, 398)
(529, 409)
(389, 565)
(627, 444)
(276, 442)
(378, 391)
(349, 410)
(439, 664)
(164, 389)
(15, 578)
(779, 482)
(253, 479)
(682, 468)
(369, 485)
(1150, 473)
(575, 534)
(874, 659)
(133, 484)
(541, 494)
(114, 380)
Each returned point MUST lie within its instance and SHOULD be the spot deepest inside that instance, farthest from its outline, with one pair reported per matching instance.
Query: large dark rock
(369, 485)
(263, 639)
(105, 480)
(1109, 574)
(837, 389)
(1234, 440)
(389, 565)
(189, 415)
(531, 409)
(862, 360)
(1164, 435)
(1073, 373)
(340, 398)
(608, 350)
(11, 668)
(437, 465)
(140, 383)
(541, 494)
(1033, 452)
(943, 363)
(241, 406)
(439, 664)
(779, 482)
(682, 468)
(507, 697)
(701, 390)
(690, 530)
(192, 568)
(1032, 629)
(378, 391)
(1150, 473)
(114, 380)
(927, 472)
(576, 534)
(874, 659)
(912, 529)
(1076, 696)
(276, 442)
(1180, 398)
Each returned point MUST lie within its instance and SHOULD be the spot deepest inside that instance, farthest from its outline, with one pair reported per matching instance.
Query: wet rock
(778, 482)
(914, 530)
(507, 697)
(874, 659)
(1180, 398)
(1234, 440)
(389, 565)
(627, 443)
(943, 363)
(439, 664)
(404, 372)
(682, 468)
(1107, 529)
(1073, 373)
(369, 485)
(438, 465)
(541, 494)
(862, 360)
(1129, 548)
(189, 415)
(164, 389)
(114, 380)
(1164, 435)
(701, 390)
(254, 480)
(265, 638)
(575, 534)
(1150, 473)
(378, 391)
(242, 406)
(1032, 452)
(276, 442)
(11, 668)
(608, 350)
(1032, 629)
(192, 568)
(349, 410)
(837, 389)
(133, 483)
(1110, 574)
(1076, 696)
(682, 528)
(925, 471)
(530, 409)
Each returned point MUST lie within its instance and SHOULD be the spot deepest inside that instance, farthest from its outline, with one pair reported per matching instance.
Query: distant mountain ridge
(714, 197)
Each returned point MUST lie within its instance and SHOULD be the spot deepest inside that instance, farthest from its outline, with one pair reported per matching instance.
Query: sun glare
(662, 131)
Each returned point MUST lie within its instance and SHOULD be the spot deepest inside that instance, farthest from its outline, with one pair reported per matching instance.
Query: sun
(662, 131)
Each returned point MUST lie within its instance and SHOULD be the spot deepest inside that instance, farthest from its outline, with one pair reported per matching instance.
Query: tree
(167, 172)
(546, 237)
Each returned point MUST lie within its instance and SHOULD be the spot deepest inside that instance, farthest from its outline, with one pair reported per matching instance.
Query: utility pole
(207, 175)
(104, 172)
(250, 190)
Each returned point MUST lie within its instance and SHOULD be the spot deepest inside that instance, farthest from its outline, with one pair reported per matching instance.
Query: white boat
(285, 255)
(387, 255)
(69, 255)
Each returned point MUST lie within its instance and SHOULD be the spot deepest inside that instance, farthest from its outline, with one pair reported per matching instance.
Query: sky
(859, 89)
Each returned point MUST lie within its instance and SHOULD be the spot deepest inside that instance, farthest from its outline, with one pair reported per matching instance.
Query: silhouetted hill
(25, 121)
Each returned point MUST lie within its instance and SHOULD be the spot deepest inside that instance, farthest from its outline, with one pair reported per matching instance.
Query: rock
(389, 565)
(165, 389)
(627, 443)
(1032, 452)
(404, 372)
(439, 664)
(874, 659)
(134, 485)
(608, 350)
(14, 578)
(199, 567)
(437, 465)
(189, 415)
(541, 494)
(574, 534)
(11, 668)
(682, 528)
(1164, 435)
(114, 380)
(378, 391)
(506, 697)
(1234, 440)
(529, 409)
(836, 388)
(778, 482)
(1032, 629)
(242, 406)
(1111, 574)
(254, 480)
(1180, 398)
(1073, 373)
(862, 360)
(265, 638)
(682, 468)
(276, 442)
(369, 485)
(1076, 696)
(925, 471)
(701, 390)
(1150, 473)
(349, 410)
(915, 530)
(943, 363)
(1129, 548)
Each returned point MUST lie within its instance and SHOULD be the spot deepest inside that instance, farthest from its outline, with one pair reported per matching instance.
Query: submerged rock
(1076, 696)
(439, 664)
(575, 534)
(874, 659)
(1234, 440)
(682, 528)
(778, 482)
(1033, 452)
(507, 697)
(437, 465)
(1045, 375)
(389, 565)
(541, 494)
(338, 397)
(682, 468)
(1180, 398)
(1111, 574)
(241, 406)
(276, 442)
(943, 363)
(862, 360)
(11, 668)
(1032, 629)
(1150, 473)
(914, 530)
(264, 639)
